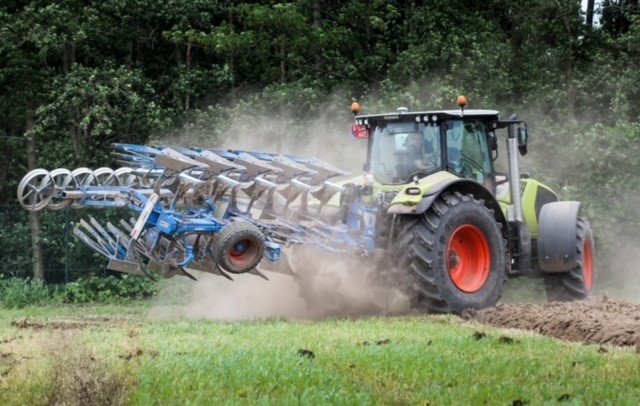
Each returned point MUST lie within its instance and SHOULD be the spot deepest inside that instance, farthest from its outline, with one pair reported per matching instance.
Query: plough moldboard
(217, 211)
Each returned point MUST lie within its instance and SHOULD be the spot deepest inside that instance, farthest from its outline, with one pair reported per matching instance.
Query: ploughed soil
(597, 321)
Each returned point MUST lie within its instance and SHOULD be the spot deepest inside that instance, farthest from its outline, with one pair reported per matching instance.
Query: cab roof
(434, 115)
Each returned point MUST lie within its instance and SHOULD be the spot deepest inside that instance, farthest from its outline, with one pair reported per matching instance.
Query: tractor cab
(405, 145)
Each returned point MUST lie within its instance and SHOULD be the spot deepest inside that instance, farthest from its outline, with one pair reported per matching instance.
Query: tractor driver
(416, 153)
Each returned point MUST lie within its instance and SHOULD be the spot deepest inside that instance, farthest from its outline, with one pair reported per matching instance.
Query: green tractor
(454, 224)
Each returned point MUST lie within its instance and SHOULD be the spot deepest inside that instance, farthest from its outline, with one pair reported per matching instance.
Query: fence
(65, 258)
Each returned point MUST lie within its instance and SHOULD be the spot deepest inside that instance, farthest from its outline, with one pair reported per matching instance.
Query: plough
(215, 211)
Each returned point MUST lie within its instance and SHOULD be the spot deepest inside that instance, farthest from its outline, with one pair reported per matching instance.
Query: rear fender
(557, 236)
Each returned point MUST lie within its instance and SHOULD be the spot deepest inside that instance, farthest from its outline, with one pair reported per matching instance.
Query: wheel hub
(454, 259)
(468, 258)
(239, 248)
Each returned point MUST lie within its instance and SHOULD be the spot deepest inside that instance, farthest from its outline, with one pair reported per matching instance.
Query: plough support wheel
(239, 247)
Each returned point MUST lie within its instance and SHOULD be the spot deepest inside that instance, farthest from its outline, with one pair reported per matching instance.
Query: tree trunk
(317, 25)
(231, 58)
(179, 63)
(187, 99)
(590, 6)
(283, 65)
(411, 34)
(568, 71)
(5, 163)
(34, 217)
(68, 59)
(571, 94)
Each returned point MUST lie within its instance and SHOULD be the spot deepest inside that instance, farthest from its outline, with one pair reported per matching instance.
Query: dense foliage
(16, 293)
(77, 75)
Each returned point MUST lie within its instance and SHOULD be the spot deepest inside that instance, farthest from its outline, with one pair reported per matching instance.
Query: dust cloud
(343, 284)
(325, 285)
(247, 297)
(326, 136)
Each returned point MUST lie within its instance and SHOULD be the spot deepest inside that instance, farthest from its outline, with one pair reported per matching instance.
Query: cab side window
(467, 149)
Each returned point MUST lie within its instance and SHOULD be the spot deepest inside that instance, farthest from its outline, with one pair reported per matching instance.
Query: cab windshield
(402, 150)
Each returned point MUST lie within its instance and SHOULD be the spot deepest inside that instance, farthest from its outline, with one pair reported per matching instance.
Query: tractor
(457, 226)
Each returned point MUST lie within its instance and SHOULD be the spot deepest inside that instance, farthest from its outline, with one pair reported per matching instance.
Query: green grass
(119, 357)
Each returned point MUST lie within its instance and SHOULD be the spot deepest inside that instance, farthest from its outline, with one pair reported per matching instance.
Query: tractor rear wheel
(455, 253)
(579, 282)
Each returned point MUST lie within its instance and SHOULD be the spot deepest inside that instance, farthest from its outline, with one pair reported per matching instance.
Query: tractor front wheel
(455, 253)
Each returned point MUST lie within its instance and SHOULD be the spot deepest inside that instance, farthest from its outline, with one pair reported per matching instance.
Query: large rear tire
(579, 282)
(455, 253)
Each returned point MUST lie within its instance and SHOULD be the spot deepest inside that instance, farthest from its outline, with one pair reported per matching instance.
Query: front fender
(464, 186)
(412, 195)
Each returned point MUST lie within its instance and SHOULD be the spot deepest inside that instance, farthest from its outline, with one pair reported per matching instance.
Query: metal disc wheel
(35, 190)
(83, 177)
(106, 177)
(63, 180)
(126, 177)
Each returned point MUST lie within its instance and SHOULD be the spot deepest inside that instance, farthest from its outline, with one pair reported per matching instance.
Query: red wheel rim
(587, 266)
(243, 253)
(469, 258)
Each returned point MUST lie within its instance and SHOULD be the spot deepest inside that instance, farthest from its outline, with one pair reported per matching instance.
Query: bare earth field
(598, 321)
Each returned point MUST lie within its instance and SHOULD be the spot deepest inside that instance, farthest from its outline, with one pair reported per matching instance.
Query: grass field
(116, 355)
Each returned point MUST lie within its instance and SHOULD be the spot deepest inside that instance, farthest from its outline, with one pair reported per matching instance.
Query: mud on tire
(579, 282)
(455, 253)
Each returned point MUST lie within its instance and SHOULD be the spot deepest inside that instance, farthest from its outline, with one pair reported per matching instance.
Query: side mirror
(493, 142)
(493, 146)
(523, 138)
